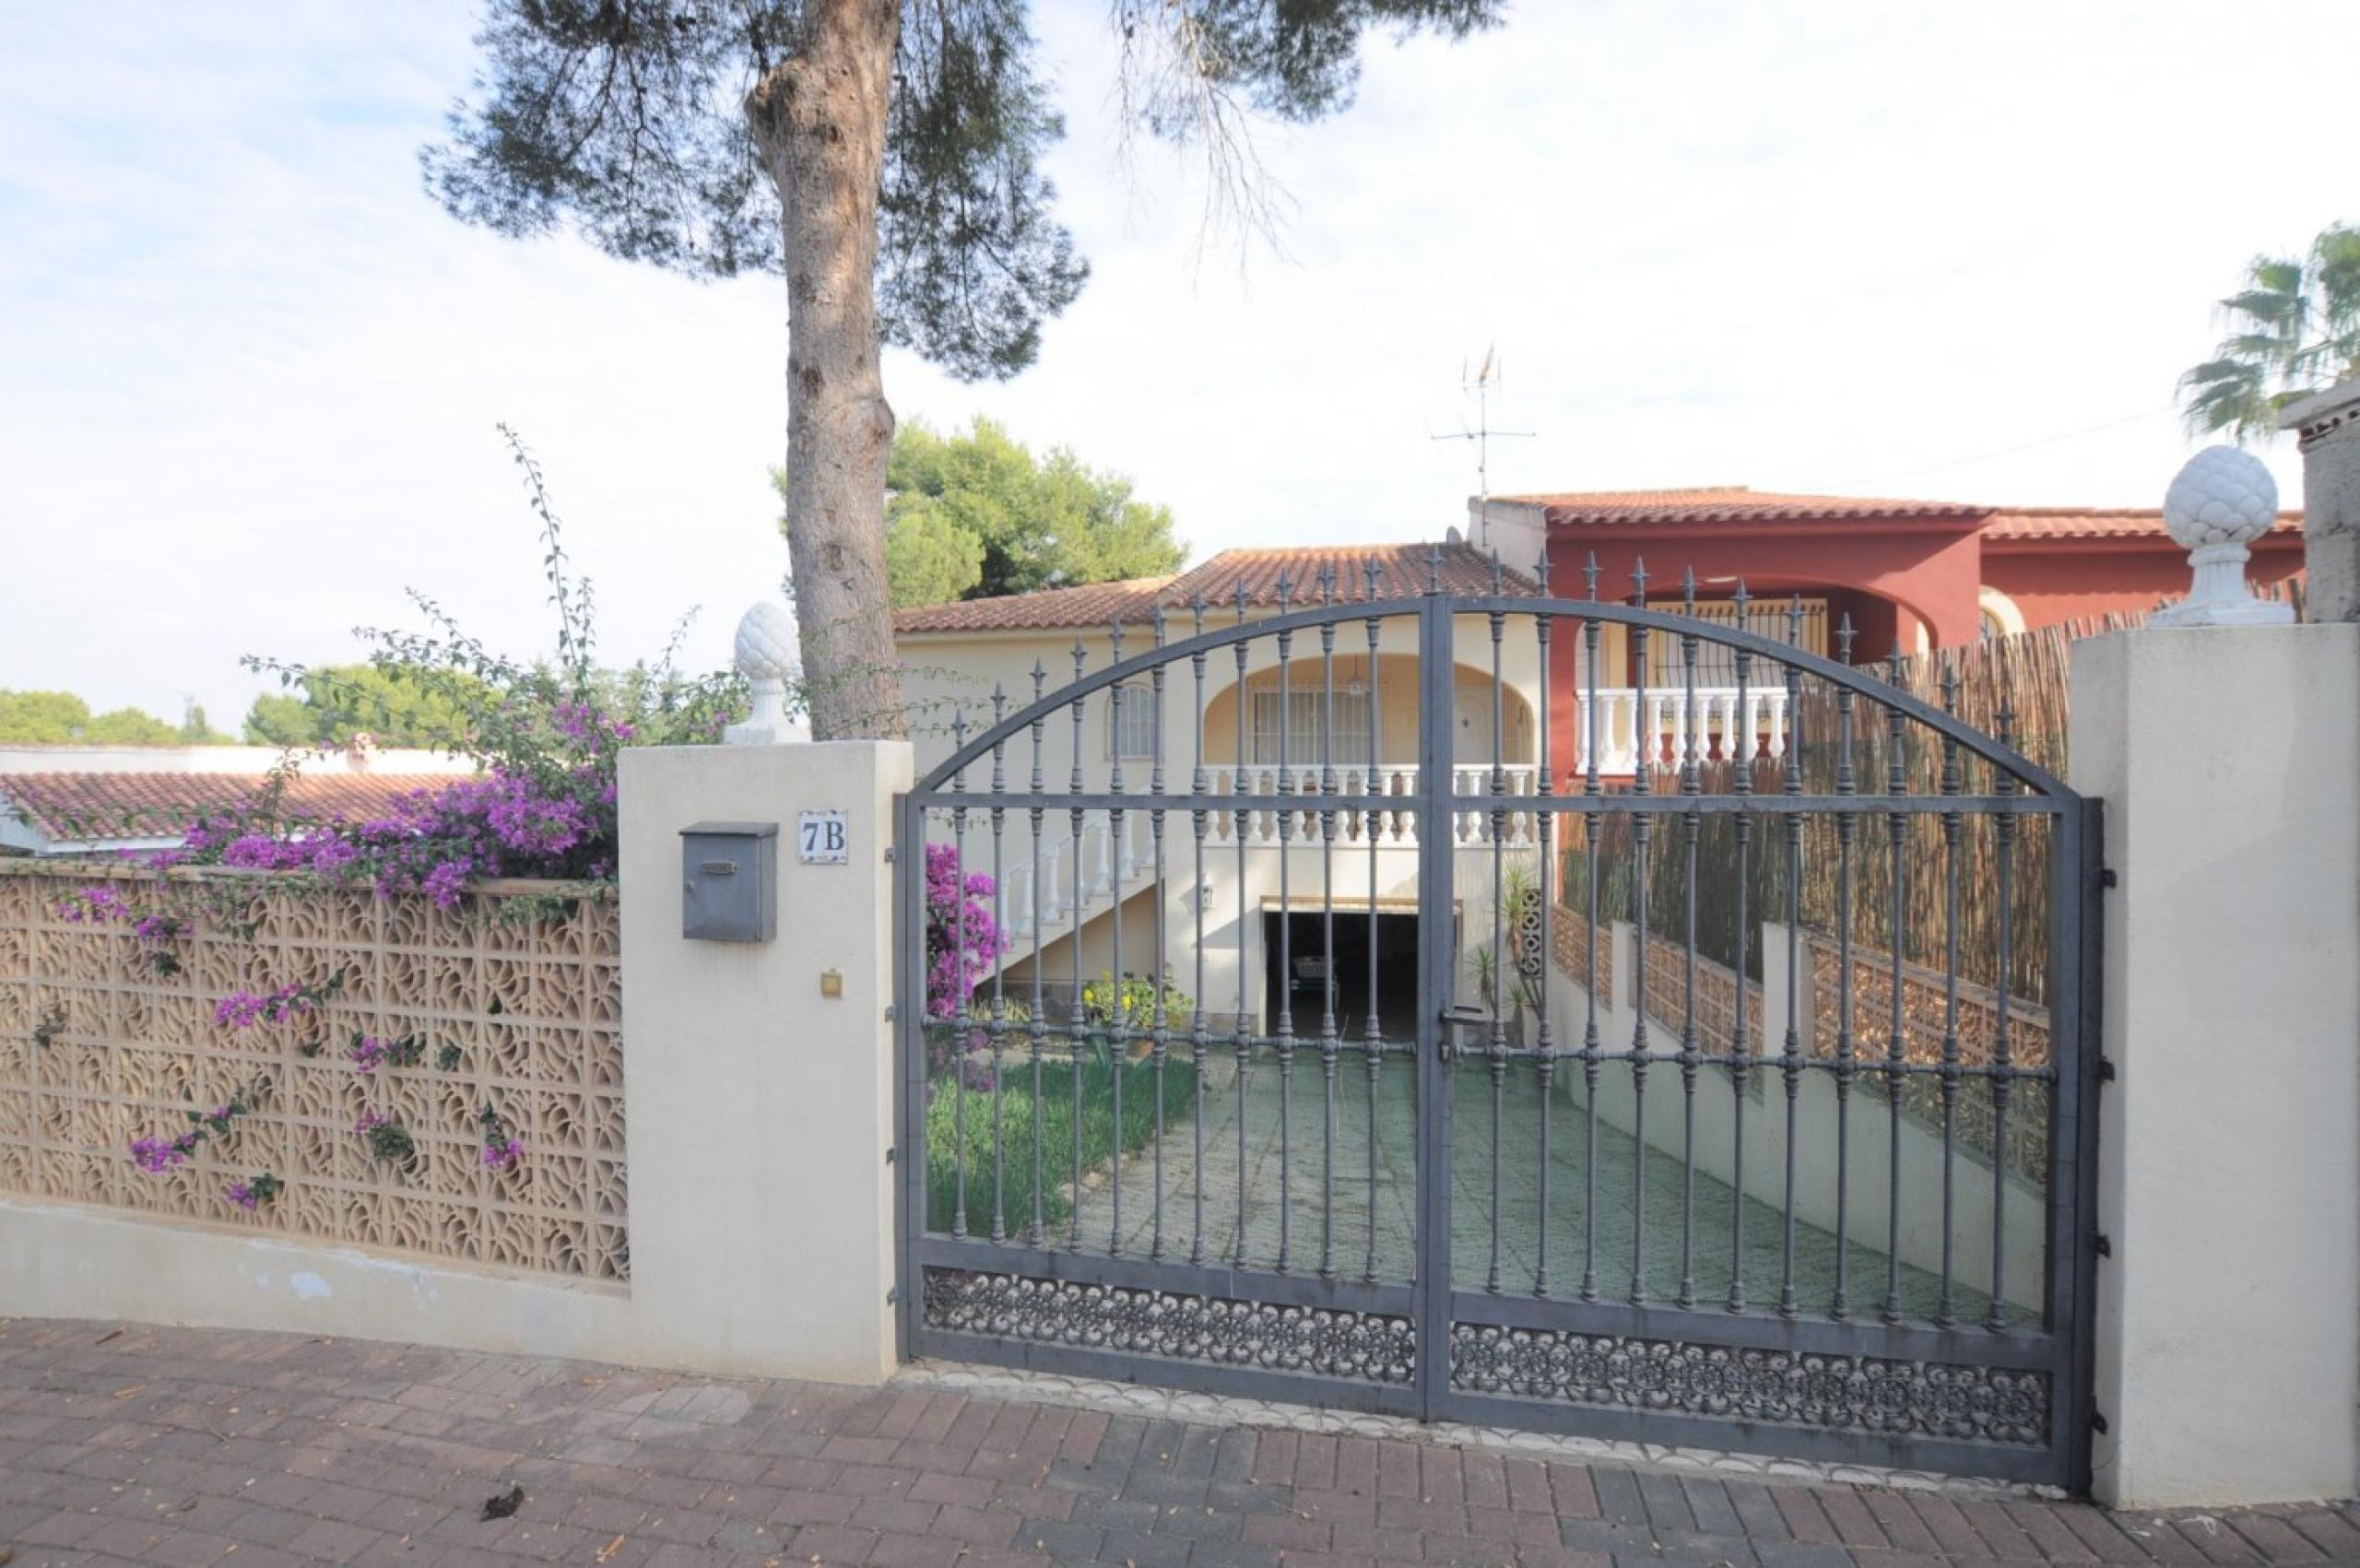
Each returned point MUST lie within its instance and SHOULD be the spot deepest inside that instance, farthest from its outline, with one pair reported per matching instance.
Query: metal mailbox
(729, 882)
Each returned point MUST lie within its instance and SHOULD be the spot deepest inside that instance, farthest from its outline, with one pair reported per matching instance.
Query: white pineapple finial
(765, 656)
(2221, 501)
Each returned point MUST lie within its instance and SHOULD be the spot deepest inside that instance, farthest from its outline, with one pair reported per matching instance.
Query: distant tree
(973, 516)
(2293, 329)
(194, 730)
(338, 701)
(60, 718)
(130, 727)
(43, 718)
(884, 156)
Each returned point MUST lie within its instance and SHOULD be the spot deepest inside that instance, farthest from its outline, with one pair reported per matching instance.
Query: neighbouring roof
(1727, 503)
(2098, 523)
(65, 811)
(1401, 573)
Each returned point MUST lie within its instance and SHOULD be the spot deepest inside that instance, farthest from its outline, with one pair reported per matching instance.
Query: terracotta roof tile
(1094, 604)
(2098, 523)
(1401, 574)
(72, 807)
(1728, 503)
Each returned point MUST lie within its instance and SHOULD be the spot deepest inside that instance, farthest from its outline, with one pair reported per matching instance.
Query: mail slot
(728, 882)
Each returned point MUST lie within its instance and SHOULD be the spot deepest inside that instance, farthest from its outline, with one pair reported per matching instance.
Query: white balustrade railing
(1071, 875)
(1670, 721)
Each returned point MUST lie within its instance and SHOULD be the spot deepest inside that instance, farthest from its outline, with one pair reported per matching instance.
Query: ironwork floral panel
(1222, 1331)
(1791, 1388)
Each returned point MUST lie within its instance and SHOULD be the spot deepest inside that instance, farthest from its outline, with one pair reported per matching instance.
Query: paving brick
(2331, 1533)
(1529, 1486)
(1315, 1462)
(1667, 1501)
(256, 1450)
(1274, 1458)
(894, 1551)
(1618, 1498)
(1854, 1525)
(2106, 1539)
(2277, 1540)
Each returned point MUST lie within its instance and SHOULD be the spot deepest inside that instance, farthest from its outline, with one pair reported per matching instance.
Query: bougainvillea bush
(547, 734)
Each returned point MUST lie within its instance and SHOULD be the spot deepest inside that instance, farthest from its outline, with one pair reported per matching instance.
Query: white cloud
(249, 372)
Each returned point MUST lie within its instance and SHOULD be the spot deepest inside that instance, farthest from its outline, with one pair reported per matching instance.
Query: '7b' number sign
(822, 841)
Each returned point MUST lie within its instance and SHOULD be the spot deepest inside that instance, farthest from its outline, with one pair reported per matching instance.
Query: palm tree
(2295, 328)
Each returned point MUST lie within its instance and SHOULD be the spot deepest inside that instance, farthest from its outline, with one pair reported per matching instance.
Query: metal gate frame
(1344, 1337)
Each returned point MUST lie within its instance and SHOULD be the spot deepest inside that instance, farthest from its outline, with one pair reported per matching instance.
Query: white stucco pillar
(2228, 1350)
(2328, 426)
(760, 1094)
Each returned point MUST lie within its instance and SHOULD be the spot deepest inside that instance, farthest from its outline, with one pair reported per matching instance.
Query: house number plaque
(822, 840)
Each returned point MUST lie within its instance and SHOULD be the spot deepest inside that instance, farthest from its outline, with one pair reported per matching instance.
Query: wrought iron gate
(1720, 1070)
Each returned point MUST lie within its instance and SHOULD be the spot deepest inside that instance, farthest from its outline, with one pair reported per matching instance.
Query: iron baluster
(1327, 1040)
(1896, 1044)
(1200, 1044)
(1946, 1310)
(956, 1006)
(1846, 824)
(1076, 1045)
(1593, 829)
(1374, 1032)
(1503, 961)
(1036, 1026)
(2002, 1061)
(1286, 943)
(1643, 831)
(1740, 1043)
(1691, 828)
(1161, 1047)
(1793, 1066)
(999, 970)
(1118, 1002)
(1240, 1026)
(1546, 1062)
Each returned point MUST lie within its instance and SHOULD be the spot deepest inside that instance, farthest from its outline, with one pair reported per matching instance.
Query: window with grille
(1717, 662)
(1304, 713)
(1131, 727)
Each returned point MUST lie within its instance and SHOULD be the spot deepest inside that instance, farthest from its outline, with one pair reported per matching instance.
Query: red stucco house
(1907, 575)
(1910, 574)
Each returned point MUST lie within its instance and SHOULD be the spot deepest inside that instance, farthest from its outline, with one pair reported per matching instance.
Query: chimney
(2328, 428)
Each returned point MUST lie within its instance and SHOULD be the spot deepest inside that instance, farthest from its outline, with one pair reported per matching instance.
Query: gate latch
(1455, 1018)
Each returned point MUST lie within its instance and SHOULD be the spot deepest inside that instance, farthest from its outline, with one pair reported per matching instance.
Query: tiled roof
(75, 808)
(1401, 573)
(1094, 604)
(1728, 503)
(2098, 523)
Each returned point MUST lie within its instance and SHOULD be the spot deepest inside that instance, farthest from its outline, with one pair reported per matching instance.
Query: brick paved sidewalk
(186, 1446)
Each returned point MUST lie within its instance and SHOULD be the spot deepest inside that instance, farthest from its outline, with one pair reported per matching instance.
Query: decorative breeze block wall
(514, 997)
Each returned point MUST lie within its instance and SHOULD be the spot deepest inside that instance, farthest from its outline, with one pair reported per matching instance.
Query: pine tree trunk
(820, 121)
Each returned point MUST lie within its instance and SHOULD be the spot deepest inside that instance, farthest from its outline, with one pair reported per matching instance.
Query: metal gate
(1668, 1062)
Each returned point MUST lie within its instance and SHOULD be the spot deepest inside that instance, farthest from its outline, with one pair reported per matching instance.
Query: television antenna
(1482, 383)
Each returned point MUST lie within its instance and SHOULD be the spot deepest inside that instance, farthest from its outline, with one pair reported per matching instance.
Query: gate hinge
(2106, 878)
(893, 1294)
(2105, 1069)
(2097, 1420)
(893, 1152)
(2103, 1244)
(889, 854)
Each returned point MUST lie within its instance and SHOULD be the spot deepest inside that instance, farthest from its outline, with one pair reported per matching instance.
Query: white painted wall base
(2228, 1356)
(758, 1115)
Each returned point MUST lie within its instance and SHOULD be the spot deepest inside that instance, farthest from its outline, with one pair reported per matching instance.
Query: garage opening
(1297, 970)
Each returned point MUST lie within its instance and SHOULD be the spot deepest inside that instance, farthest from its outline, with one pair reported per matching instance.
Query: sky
(251, 376)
